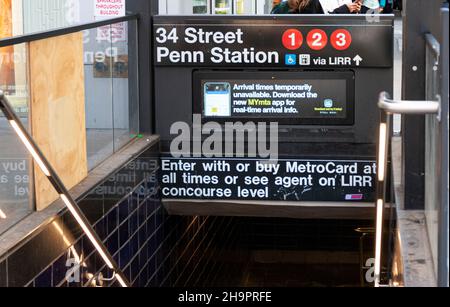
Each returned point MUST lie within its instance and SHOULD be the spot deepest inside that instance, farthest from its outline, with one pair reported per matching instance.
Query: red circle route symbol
(341, 39)
(292, 39)
(317, 39)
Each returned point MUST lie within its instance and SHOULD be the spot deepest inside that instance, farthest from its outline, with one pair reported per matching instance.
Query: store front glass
(108, 82)
(215, 7)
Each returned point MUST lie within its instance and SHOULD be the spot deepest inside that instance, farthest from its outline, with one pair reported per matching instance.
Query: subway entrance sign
(273, 43)
(316, 77)
(251, 179)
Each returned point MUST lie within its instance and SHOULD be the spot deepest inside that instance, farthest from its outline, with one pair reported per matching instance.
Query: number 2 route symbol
(317, 39)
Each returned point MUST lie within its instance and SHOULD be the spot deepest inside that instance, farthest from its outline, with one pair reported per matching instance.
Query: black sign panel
(293, 98)
(285, 41)
(252, 179)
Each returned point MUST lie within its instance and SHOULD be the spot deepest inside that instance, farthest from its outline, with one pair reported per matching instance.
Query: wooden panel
(6, 53)
(57, 111)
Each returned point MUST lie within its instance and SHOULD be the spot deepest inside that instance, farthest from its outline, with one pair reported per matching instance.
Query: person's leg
(388, 9)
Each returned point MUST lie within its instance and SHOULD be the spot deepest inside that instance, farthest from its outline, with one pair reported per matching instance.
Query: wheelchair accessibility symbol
(291, 59)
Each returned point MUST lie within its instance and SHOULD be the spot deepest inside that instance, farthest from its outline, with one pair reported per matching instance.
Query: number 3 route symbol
(341, 39)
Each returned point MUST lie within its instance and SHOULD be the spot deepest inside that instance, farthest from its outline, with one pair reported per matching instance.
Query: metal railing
(40, 159)
(63, 31)
(60, 188)
(436, 111)
(443, 262)
(389, 108)
(111, 110)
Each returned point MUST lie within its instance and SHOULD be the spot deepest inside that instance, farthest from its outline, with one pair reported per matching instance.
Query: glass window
(110, 86)
(217, 7)
(244, 7)
(112, 116)
(222, 7)
(200, 6)
(15, 163)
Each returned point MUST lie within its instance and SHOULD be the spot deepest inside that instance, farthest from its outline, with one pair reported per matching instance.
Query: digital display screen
(303, 98)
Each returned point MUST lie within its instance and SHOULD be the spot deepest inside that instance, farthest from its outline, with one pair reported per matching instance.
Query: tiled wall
(154, 249)
(301, 235)
(150, 247)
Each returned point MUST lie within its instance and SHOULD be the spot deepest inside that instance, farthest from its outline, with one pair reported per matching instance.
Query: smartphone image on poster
(217, 99)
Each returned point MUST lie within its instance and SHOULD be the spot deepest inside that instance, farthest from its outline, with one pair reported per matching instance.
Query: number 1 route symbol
(292, 39)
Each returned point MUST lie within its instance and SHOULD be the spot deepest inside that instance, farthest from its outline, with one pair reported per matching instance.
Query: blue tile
(135, 268)
(159, 277)
(151, 267)
(74, 285)
(124, 210)
(160, 257)
(142, 214)
(158, 217)
(113, 243)
(88, 248)
(59, 270)
(95, 263)
(112, 220)
(152, 206)
(143, 235)
(134, 222)
(127, 272)
(152, 283)
(44, 280)
(143, 257)
(125, 256)
(139, 281)
(144, 276)
(134, 245)
(92, 208)
(151, 226)
(151, 247)
(3, 280)
(124, 233)
(116, 258)
(79, 246)
(100, 229)
(134, 201)
(160, 235)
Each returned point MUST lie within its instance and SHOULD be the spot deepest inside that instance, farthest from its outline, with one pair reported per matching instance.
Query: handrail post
(381, 189)
(388, 108)
(443, 216)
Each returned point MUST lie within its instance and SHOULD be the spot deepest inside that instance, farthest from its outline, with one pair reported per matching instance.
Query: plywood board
(58, 111)
(6, 53)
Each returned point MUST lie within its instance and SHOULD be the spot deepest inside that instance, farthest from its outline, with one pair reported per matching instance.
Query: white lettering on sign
(261, 180)
(194, 36)
(217, 55)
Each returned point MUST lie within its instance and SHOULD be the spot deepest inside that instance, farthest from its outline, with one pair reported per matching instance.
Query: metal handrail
(406, 106)
(433, 44)
(52, 176)
(388, 108)
(63, 31)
